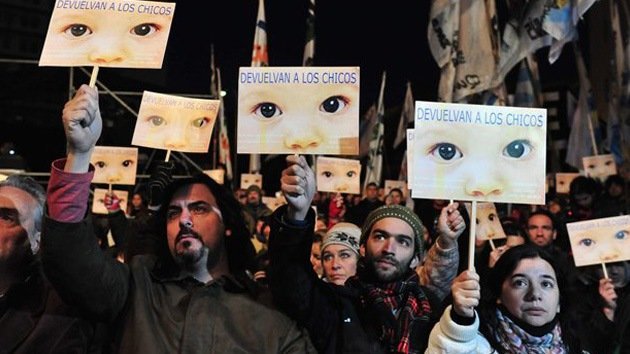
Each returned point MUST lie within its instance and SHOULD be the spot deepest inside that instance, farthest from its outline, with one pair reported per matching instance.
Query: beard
(386, 268)
(191, 252)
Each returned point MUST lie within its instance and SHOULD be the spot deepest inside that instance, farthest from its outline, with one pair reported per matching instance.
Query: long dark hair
(240, 251)
(491, 291)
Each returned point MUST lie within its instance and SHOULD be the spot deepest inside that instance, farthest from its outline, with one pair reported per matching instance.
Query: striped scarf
(515, 340)
(404, 311)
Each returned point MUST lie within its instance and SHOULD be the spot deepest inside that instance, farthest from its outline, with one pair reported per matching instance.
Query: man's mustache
(388, 258)
(188, 233)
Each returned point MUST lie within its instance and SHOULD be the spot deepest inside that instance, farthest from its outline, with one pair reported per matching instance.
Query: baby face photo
(112, 33)
(599, 241)
(114, 165)
(248, 179)
(272, 202)
(217, 175)
(98, 202)
(488, 222)
(391, 184)
(563, 182)
(410, 135)
(600, 166)
(298, 110)
(483, 153)
(338, 175)
(175, 123)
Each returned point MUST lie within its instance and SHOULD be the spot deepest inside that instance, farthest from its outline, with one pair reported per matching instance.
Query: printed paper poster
(217, 175)
(483, 153)
(272, 202)
(98, 202)
(298, 110)
(598, 241)
(175, 123)
(600, 166)
(338, 175)
(391, 184)
(111, 33)
(115, 165)
(563, 182)
(248, 179)
(410, 135)
(488, 222)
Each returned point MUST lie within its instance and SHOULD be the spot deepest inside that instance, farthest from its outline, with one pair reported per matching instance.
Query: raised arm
(440, 266)
(78, 269)
(296, 289)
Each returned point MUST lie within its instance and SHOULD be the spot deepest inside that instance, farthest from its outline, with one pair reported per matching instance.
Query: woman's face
(489, 164)
(339, 262)
(108, 37)
(114, 165)
(302, 119)
(531, 292)
(136, 201)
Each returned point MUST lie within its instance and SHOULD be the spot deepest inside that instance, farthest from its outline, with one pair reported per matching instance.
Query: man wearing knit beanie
(387, 306)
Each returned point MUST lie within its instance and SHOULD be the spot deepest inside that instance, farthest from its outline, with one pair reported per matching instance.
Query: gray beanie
(345, 234)
(399, 212)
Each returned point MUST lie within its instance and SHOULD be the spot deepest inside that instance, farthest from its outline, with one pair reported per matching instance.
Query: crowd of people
(200, 268)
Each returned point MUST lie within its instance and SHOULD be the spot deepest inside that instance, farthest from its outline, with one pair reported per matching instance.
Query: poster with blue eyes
(98, 200)
(599, 241)
(599, 166)
(298, 110)
(114, 165)
(338, 175)
(482, 153)
(175, 123)
(110, 33)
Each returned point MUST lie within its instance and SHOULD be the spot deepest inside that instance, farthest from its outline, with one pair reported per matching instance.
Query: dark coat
(335, 316)
(33, 319)
(156, 309)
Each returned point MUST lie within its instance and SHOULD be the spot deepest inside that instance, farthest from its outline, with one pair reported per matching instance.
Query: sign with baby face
(114, 165)
(488, 222)
(298, 110)
(598, 241)
(273, 202)
(391, 184)
(563, 182)
(248, 179)
(175, 123)
(600, 166)
(110, 33)
(98, 202)
(483, 153)
(338, 175)
(217, 175)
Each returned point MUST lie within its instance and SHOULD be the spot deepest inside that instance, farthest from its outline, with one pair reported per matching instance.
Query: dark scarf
(402, 310)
